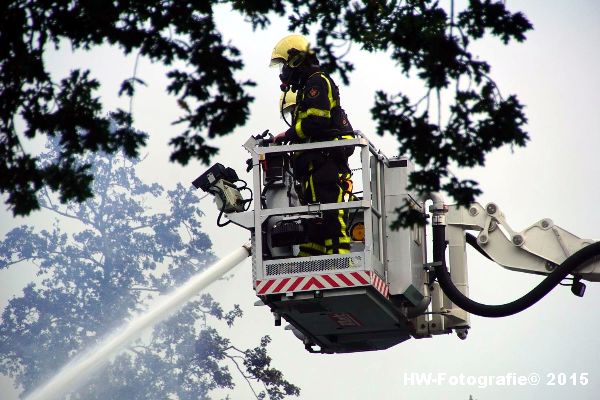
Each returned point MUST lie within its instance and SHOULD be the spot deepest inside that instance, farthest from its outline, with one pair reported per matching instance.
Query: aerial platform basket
(384, 291)
(341, 302)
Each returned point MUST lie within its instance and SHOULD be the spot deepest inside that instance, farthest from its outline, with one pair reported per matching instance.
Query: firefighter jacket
(318, 115)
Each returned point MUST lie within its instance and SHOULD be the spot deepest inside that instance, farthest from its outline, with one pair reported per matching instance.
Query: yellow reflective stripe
(343, 137)
(332, 103)
(316, 112)
(342, 222)
(312, 188)
(340, 198)
(339, 251)
(341, 219)
(341, 240)
(303, 114)
(313, 246)
(308, 250)
(298, 128)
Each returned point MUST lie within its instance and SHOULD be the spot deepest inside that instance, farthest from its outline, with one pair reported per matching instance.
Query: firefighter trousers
(323, 184)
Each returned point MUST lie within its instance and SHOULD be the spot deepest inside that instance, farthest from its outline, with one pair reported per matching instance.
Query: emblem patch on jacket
(313, 92)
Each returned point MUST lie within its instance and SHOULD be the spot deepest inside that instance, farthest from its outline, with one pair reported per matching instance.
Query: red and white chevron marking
(323, 281)
(380, 285)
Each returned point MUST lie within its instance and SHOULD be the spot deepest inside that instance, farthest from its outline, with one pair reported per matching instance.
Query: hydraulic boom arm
(539, 249)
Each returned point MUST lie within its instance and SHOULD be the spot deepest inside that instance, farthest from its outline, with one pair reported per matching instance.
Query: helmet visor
(277, 62)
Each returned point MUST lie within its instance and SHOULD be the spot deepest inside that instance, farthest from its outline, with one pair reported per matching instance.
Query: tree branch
(8, 264)
(246, 378)
(55, 209)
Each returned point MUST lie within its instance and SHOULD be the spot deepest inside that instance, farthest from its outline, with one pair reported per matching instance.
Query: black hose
(472, 240)
(503, 310)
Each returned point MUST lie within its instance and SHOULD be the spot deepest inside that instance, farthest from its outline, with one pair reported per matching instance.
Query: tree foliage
(98, 264)
(427, 39)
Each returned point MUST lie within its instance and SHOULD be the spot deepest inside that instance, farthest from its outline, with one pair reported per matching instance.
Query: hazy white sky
(555, 74)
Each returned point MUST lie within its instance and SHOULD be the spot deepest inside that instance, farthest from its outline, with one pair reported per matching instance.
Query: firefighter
(324, 174)
(287, 106)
